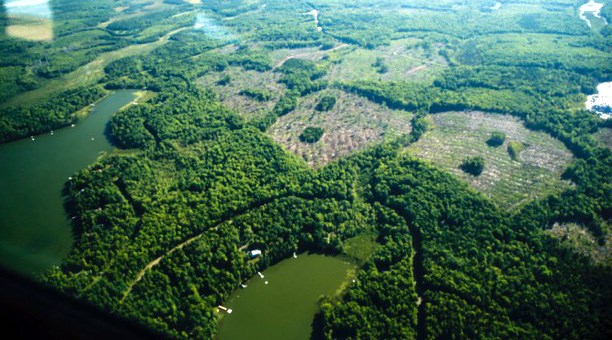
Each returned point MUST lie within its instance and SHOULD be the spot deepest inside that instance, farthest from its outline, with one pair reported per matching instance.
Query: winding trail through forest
(156, 261)
(418, 273)
(252, 207)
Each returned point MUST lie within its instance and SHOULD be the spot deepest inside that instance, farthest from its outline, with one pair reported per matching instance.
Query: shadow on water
(108, 134)
(317, 327)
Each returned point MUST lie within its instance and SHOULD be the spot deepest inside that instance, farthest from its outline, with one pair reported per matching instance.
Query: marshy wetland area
(323, 169)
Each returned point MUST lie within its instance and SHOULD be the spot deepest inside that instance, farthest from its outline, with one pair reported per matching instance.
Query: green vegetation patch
(604, 136)
(361, 247)
(311, 134)
(536, 50)
(326, 103)
(514, 149)
(497, 139)
(473, 165)
(454, 136)
(257, 94)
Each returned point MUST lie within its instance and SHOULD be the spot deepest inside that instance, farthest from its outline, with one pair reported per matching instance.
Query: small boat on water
(228, 310)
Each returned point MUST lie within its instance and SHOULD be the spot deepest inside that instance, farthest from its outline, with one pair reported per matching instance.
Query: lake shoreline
(35, 229)
(270, 292)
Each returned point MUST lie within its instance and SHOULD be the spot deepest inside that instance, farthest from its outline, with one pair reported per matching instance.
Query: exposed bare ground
(509, 183)
(351, 125)
(416, 69)
(42, 31)
(229, 94)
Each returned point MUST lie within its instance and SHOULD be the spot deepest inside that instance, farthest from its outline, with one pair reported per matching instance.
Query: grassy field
(361, 247)
(33, 29)
(240, 79)
(405, 59)
(353, 123)
(583, 242)
(455, 135)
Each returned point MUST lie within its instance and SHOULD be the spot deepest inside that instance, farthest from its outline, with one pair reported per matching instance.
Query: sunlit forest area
(447, 139)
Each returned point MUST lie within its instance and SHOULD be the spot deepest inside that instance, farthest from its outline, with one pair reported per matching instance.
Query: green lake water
(285, 307)
(35, 232)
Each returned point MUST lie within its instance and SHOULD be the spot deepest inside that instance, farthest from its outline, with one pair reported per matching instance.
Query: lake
(35, 232)
(285, 307)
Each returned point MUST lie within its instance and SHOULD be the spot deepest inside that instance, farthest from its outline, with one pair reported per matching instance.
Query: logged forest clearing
(535, 173)
(580, 240)
(456, 153)
(230, 83)
(351, 125)
(401, 60)
(605, 137)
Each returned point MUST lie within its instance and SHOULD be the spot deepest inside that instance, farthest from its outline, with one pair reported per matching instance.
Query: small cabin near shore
(254, 253)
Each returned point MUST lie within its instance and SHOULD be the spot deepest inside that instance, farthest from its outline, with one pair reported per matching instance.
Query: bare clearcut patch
(535, 171)
(353, 123)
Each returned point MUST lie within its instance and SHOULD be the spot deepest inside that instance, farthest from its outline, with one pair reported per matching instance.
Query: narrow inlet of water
(35, 232)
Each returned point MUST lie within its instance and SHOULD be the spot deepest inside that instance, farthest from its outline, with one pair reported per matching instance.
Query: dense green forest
(161, 226)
